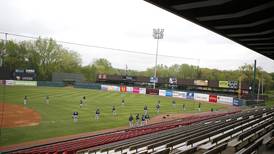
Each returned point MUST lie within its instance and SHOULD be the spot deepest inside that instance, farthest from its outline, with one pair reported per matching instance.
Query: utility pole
(157, 34)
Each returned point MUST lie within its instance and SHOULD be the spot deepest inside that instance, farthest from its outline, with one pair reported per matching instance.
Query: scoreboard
(24, 74)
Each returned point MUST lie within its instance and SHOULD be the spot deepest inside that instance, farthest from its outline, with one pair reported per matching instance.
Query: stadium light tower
(157, 34)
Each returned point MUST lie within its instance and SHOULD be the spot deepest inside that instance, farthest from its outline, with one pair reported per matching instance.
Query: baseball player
(75, 116)
(158, 107)
(25, 100)
(143, 120)
(113, 110)
(145, 109)
(174, 103)
(130, 119)
(84, 100)
(211, 109)
(123, 102)
(47, 99)
(146, 118)
(184, 108)
(137, 119)
(97, 114)
(199, 107)
(81, 103)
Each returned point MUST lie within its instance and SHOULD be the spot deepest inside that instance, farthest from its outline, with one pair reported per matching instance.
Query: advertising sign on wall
(169, 93)
(2, 82)
(142, 90)
(25, 83)
(104, 87)
(213, 98)
(190, 95)
(162, 92)
(129, 89)
(237, 102)
(201, 82)
(110, 88)
(201, 97)
(10, 82)
(136, 90)
(223, 84)
(225, 99)
(123, 88)
(152, 91)
(116, 88)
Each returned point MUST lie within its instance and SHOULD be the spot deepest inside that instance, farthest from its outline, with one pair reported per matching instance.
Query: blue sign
(190, 95)
(237, 102)
(169, 93)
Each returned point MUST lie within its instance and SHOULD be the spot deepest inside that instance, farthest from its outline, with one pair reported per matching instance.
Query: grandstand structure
(227, 132)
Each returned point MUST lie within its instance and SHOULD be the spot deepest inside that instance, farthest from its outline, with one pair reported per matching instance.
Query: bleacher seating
(210, 133)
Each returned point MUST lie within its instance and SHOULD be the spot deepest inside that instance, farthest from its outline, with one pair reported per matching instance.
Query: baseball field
(39, 120)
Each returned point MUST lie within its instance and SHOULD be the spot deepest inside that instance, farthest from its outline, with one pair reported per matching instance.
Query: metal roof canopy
(247, 22)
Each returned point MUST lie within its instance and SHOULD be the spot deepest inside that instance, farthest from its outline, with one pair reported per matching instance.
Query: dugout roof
(247, 22)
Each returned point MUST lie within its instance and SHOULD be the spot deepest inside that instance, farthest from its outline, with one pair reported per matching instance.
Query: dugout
(69, 79)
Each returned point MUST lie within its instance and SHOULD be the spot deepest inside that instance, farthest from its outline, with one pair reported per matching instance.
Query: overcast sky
(124, 24)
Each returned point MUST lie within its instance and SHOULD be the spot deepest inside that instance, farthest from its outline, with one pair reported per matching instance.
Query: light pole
(157, 34)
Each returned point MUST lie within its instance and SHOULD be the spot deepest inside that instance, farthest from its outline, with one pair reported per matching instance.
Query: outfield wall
(135, 90)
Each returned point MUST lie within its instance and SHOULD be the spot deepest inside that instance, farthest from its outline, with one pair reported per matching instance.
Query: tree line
(47, 56)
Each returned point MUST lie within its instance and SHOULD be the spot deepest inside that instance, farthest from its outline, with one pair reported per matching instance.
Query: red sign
(123, 89)
(213, 98)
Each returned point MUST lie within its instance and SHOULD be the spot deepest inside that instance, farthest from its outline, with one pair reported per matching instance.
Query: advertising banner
(213, 98)
(116, 88)
(223, 84)
(25, 83)
(10, 82)
(123, 88)
(225, 99)
(169, 93)
(201, 82)
(104, 87)
(2, 82)
(201, 97)
(110, 88)
(190, 95)
(162, 92)
(152, 91)
(136, 90)
(142, 90)
(130, 89)
(237, 102)
(176, 94)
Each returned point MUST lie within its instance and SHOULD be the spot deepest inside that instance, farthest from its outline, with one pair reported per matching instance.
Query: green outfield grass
(56, 117)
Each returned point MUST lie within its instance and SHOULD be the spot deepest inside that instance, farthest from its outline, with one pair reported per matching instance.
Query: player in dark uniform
(123, 102)
(199, 107)
(25, 100)
(147, 118)
(84, 100)
(174, 103)
(137, 119)
(97, 114)
(75, 116)
(145, 109)
(143, 120)
(158, 107)
(130, 119)
(113, 110)
(81, 103)
(47, 99)
(184, 108)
